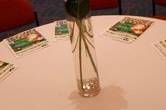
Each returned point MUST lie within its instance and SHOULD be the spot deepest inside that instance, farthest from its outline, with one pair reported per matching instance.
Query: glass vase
(83, 49)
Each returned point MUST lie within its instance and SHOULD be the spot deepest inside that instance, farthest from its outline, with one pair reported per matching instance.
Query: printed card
(61, 29)
(161, 47)
(26, 41)
(5, 69)
(128, 29)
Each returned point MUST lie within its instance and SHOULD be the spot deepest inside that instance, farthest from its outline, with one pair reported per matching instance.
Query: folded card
(5, 69)
(61, 29)
(128, 29)
(161, 47)
(26, 41)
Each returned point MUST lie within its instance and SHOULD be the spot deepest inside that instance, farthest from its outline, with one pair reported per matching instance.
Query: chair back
(15, 13)
(160, 2)
(103, 4)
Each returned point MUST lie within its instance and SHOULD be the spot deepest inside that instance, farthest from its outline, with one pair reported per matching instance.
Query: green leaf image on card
(61, 29)
(124, 27)
(20, 44)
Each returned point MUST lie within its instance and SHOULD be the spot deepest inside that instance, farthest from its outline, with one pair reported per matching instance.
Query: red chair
(160, 3)
(16, 13)
(105, 4)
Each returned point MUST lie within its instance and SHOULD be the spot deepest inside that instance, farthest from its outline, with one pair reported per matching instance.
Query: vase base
(90, 94)
(89, 88)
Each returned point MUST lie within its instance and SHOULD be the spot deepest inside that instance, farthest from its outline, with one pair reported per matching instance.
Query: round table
(133, 76)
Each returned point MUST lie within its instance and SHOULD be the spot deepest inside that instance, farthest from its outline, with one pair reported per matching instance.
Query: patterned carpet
(50, 10)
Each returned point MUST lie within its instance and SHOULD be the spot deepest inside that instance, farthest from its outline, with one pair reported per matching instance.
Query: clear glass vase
(83, 49)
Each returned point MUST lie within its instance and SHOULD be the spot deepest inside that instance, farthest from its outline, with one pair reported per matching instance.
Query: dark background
(50, 10)
(54, 9)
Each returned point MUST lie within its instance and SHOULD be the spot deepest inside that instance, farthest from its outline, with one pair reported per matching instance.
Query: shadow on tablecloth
(110, 98)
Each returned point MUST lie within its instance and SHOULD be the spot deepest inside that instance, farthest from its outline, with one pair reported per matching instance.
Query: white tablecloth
(133, 76)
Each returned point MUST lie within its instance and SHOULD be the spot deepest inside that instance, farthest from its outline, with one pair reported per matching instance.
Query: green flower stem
(85, 30)
(89, 42)
(90, 55)
(79, 23)
(72, 32)
(82, 37)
